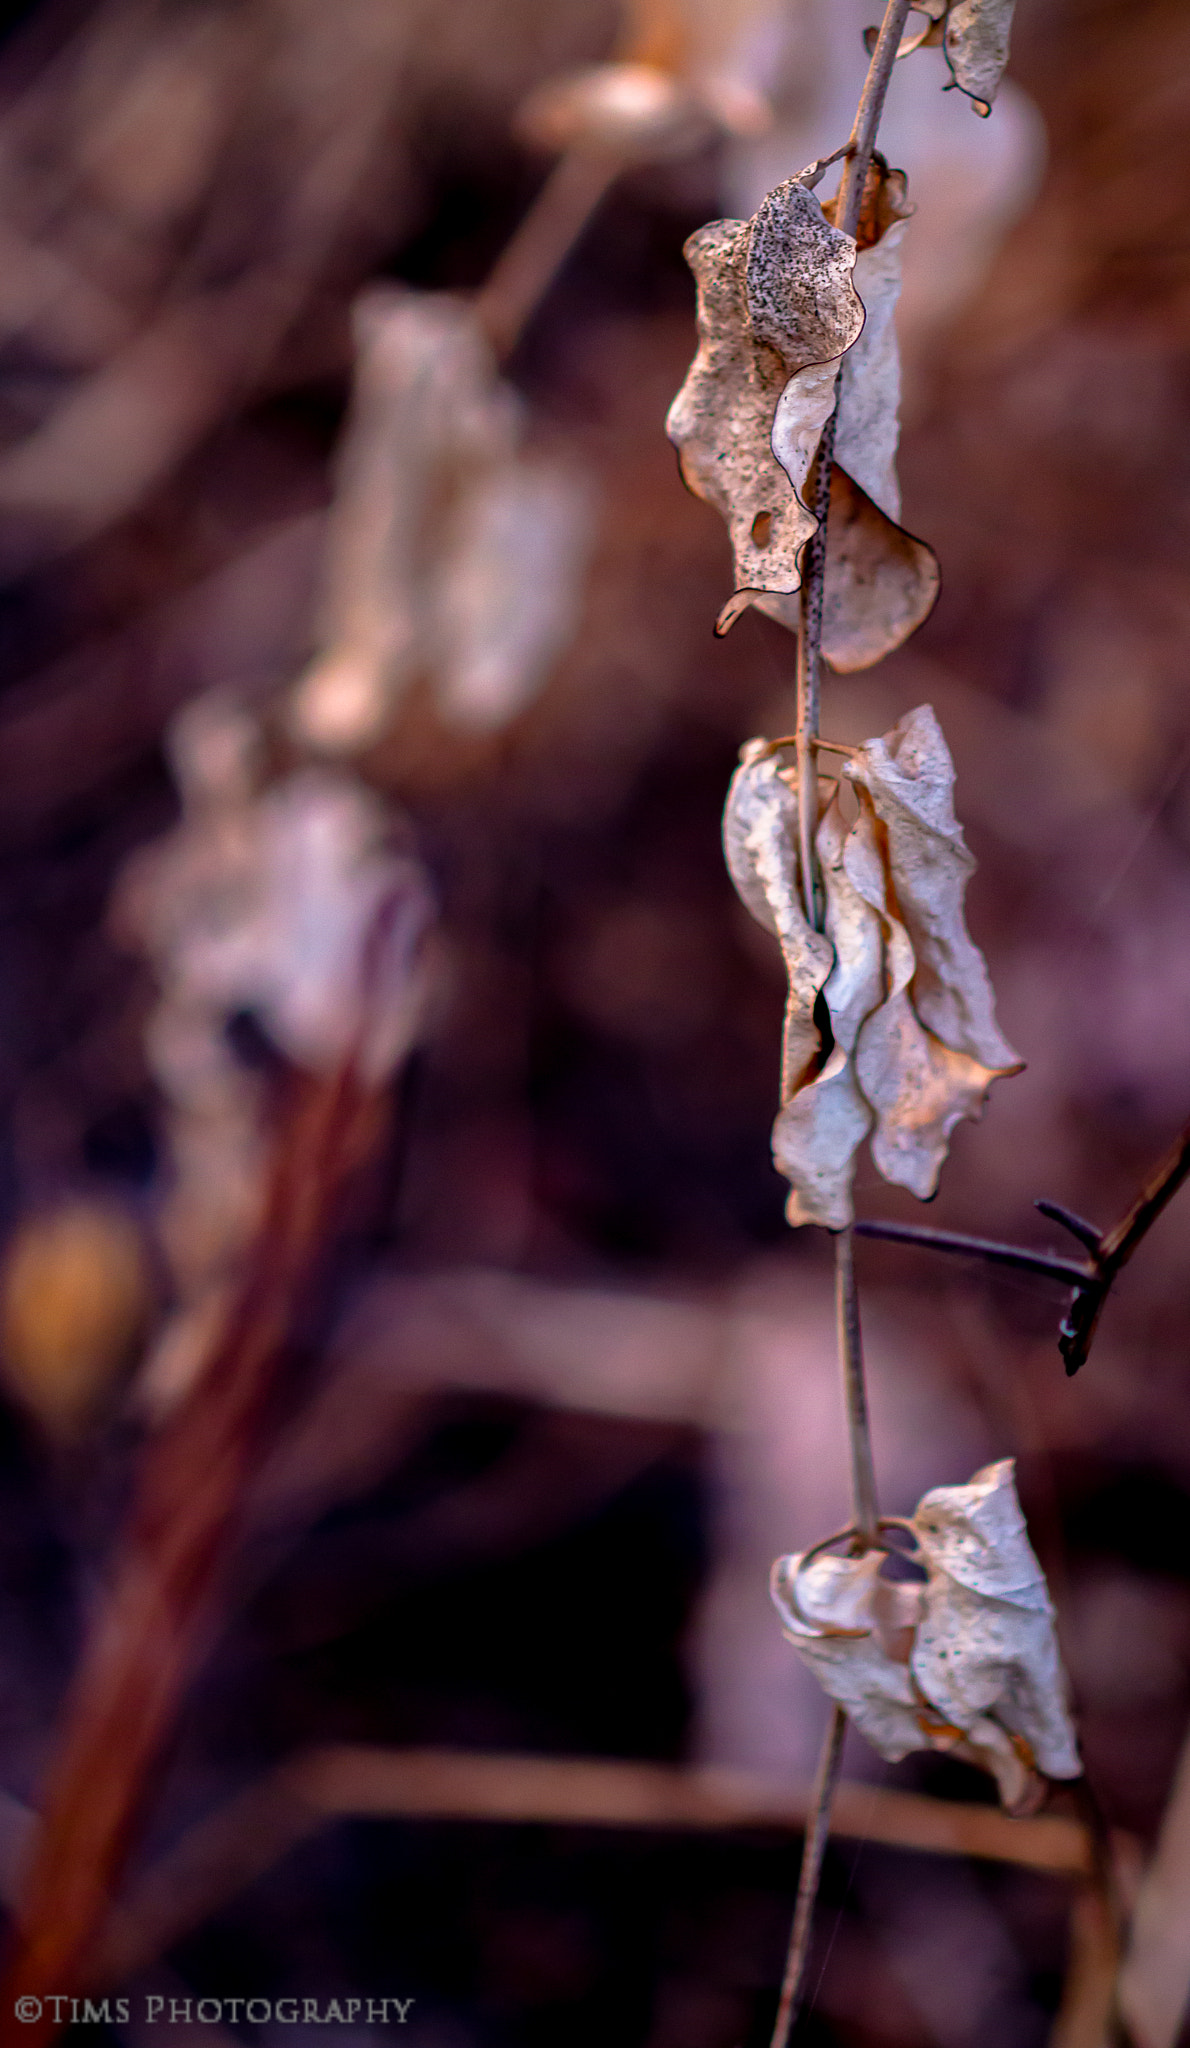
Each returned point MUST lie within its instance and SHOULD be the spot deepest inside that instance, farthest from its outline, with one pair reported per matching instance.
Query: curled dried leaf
(913, 1044)
(749, 418)
(976, 43)
(964, 1660)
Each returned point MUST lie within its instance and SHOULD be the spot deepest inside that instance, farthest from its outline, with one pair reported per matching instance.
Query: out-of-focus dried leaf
(913, 1042)
(298, 908)
(964, 1661)
(451, 556)
(295, 907)
(976, 44)
(504, 595)
(635, 113)
(881, 583)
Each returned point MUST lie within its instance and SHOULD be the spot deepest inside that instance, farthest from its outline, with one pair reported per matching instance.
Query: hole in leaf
(824, 1028)
(762, 529)
(902, 1570)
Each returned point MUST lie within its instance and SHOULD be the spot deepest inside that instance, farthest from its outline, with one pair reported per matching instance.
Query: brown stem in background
(168, 1576)
(532, 258)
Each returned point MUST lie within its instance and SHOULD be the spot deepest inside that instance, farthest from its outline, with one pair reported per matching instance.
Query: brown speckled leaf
(777, 293)
(776, 310)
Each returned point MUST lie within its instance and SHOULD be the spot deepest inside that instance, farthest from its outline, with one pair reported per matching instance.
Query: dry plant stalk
(169, 1575)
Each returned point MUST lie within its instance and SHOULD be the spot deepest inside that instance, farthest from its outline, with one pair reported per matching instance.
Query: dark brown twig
(1091, 1280)
(1074, 1272)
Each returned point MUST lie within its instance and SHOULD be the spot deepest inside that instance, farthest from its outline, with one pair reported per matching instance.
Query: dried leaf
(965, 1661)
(444, 539)
(914, 1043)
(297, 907)
(776, 309)
(881, 583)
(976, 45)
(909, 776)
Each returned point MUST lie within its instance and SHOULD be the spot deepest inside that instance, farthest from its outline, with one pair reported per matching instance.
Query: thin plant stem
(865, 1512)
(818, 1822)
(1073, 1272)
(809, 691)
(867, 115)
(860, 145)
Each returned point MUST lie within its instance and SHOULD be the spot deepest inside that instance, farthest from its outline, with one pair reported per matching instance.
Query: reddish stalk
(170, 1573)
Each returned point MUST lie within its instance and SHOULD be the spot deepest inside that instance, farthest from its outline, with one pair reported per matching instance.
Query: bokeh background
(569, 1382)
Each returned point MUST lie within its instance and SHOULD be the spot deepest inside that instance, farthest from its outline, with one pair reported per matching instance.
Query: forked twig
(1092, 1279)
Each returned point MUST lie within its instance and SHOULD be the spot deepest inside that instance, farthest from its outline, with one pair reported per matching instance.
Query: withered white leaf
(914, 1043)
(776, 310)
(443, 535)
(881, 582)
(821, 1122)
(976, 44)
(296, 903)
(965, 1660)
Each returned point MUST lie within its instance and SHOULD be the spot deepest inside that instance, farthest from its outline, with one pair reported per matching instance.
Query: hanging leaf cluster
(964, 1660)
(890, 1030)
(786, 303)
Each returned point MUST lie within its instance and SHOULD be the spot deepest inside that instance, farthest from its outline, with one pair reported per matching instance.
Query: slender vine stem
(860, 145)
(818, 1825)
(809, 688)
(865, 1512)
(1074, 1272)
